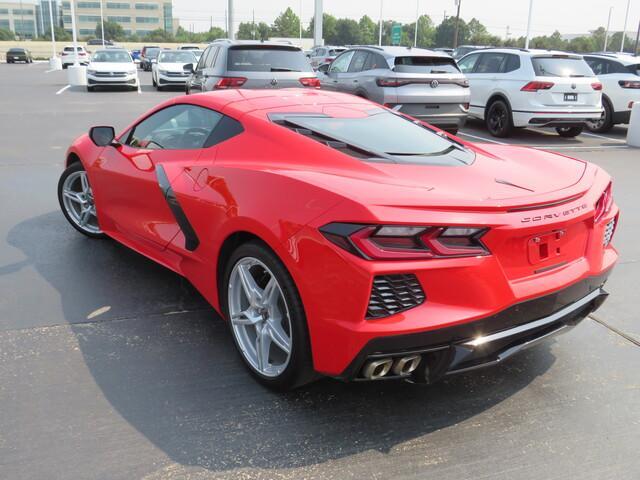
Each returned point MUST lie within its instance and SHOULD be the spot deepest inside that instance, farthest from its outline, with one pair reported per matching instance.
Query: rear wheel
(605, 122)
(76, 201)
(569, 132)
(266, 317)
(498, 119)
(91, 89)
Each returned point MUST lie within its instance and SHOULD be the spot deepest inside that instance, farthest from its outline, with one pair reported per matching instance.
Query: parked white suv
(324, 54)
(532, 88)
(69, 56)
(620, 77)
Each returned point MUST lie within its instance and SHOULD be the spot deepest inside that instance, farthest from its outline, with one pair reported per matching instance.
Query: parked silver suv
(422, 83)
(250, 64)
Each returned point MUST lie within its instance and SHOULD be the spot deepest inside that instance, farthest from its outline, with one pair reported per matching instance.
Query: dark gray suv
(250, 64)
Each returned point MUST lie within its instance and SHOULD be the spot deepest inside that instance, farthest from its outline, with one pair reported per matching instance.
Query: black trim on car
(449, 344)
(191, 241)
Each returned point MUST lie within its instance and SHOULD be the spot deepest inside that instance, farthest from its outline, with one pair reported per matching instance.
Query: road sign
(396, 34)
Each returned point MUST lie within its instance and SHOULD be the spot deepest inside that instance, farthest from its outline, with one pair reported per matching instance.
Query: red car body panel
(282, 187)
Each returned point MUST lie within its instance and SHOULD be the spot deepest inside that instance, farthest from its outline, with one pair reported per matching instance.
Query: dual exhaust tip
(398, 367)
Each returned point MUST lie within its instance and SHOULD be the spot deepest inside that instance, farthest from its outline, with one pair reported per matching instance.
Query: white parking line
(603, 137)
(482, 138)
(580, 147)
(52, 70)
(62, 89)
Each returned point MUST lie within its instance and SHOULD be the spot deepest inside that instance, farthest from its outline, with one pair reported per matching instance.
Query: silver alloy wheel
(77, 198)
(259, 317)
(597, 124)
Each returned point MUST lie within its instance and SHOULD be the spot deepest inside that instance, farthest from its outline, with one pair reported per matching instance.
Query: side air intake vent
(394, 293)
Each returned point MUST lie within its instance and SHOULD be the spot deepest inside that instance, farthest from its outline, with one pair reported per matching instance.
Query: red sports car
(340, 238)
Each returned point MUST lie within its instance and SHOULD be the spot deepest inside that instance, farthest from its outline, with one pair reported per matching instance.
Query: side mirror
(188, 67)
(102, 136)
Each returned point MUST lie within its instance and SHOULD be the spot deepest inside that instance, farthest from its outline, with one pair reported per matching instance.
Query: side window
(512, 63)
(468, 63)
(490, 63)
(358, 61)
(203, 58)
(341, 63)
(211, 59)
(596, 64)
(179, 127)
(374, 61)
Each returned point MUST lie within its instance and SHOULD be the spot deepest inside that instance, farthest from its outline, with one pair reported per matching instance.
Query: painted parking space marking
(482, 138)
(63, 89)
(588, 134)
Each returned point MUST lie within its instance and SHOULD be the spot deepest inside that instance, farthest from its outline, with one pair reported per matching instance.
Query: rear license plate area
(570, 97)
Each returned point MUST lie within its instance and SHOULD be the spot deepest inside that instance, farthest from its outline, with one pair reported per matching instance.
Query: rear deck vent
(394, 293)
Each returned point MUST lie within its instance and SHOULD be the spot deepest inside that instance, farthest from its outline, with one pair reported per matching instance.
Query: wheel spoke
(270, 294)
(263, 345)
(279, 336)
(244, 318)
(249, 285)
(85, 183)
(85, 216)
(73, 196)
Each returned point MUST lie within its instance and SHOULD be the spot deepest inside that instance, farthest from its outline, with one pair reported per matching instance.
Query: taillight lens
(390, 82)
(604, 203)
(596, 86)
(230, 82)
(535, 86)
(402, 242)
(629, 83)
(310, 82)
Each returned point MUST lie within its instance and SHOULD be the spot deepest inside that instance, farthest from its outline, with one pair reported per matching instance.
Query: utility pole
(455, 34)
(624, 30)
(526, 43)
(380, 26)
(415, 37)
(606, 34)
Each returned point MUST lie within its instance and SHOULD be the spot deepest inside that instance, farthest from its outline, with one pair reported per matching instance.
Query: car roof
(273, 43)
(111, 50)
(624, 59)
(392, 52)
(530, 52)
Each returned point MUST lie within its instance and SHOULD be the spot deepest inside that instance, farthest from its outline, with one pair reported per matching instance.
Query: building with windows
(20, 18)
(136, 17)
(43, 21)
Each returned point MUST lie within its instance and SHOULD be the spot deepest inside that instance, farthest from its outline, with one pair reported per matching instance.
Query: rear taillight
(399, 242)
(328, 60)
(596, 86)
(310, 82)
(390, 82)
(535, 86)
(629, 83)
(230, 82)
(465, 106)
(604, 203)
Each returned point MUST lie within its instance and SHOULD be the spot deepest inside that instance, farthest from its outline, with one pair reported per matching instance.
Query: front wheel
(498, 119)
(76, 201)
(569, 132)
(266, 317)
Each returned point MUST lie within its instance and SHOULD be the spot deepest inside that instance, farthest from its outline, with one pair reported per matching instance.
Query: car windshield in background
(401, 136)
(152, 52)
(257, 58)
(70, 49)
(336, 51)
(561, 66)
(16, 50)
(425, 65)
(635, 69)
(111, 57)
(176, 57)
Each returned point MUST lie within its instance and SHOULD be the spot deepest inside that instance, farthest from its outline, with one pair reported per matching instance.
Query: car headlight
(163, 72)
(92, 72)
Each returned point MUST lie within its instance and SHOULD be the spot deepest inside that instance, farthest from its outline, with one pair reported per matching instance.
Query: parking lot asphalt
(113, 367)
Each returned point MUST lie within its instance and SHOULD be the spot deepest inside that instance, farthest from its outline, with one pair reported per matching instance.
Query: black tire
(73, 168)
(569, 132)
(64, 66)
(498, 119)
(606, 121)
(91, 89)
(299, 371)
(159, 88)
(153, 81)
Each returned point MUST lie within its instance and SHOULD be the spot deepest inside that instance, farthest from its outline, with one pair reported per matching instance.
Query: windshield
(152, 52)
(267, 59)
(635, 69)
(70, 49)
(425, 65)
(176, 57)
(561, 66)
(111, 56)
(401, 136)
(16, 50)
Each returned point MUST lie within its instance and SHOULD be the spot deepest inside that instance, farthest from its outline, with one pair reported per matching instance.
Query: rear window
(152, 52)
(635, 69)
(335, 51)
(425, 65)
(16, 50)
(177, 57)
(267, 59)
(384, 135)
(561, 66)
(70, 49)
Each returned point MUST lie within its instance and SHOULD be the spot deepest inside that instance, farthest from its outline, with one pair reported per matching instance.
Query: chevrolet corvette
(340, 238)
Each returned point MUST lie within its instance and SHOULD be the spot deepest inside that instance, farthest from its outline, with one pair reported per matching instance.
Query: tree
(112, 31)
(157, 35)
(479, 35)
(6, 34)
(348, 32)
(264, 31)
(426, 32)
(287, 24)
(247, 31)
(213, 34)
(329, 32)
(368, 31)
(446, 30)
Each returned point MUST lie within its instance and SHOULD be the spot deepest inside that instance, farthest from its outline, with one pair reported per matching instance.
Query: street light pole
(635, 49)
(318, 18)
(624, 30)
(455, 34)
(380, 26)
(526, 43)
(300, 23)
(73, 33)
(415, 36)
(230, 32)
(53, 33)
(102, 23)
(606, 34)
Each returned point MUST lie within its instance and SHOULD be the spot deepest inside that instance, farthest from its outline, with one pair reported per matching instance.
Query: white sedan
(169, 69)
(112, 67)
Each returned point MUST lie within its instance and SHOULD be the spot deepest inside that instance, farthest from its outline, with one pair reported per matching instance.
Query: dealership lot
(112, 367)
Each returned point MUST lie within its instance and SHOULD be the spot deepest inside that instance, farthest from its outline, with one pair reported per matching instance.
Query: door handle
(355, 81)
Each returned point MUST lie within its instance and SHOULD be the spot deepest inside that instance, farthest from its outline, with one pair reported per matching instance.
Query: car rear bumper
(487, 341)
(550, 118)
(441, 115)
